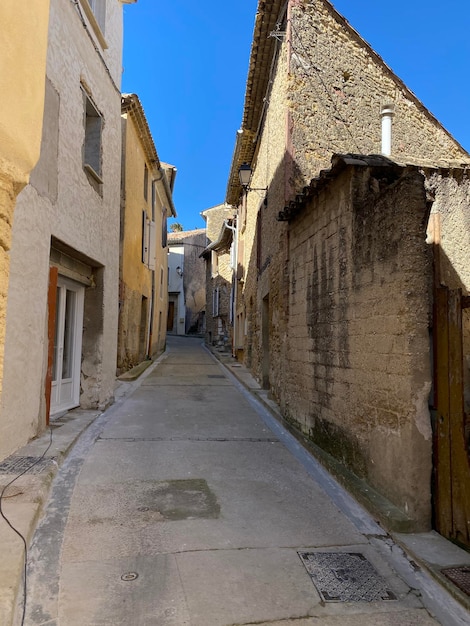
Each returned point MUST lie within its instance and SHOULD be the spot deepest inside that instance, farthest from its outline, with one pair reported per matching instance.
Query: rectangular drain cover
(215, 376)
(460, 576)
(345, 577)
(25, 464)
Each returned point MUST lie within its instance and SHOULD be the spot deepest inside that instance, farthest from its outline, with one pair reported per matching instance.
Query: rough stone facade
(334, 304)
(66, 219)
(358, 357)
(219, 274)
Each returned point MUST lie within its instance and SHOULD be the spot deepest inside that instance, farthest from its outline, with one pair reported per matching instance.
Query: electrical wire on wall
(15, 530)
(87, 30)
(302, 50)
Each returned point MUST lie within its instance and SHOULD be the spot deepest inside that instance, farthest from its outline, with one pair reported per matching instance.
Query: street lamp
(244, 174)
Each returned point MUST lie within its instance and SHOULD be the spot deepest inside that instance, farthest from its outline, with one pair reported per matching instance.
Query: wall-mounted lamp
(244, 174)
(179, 271)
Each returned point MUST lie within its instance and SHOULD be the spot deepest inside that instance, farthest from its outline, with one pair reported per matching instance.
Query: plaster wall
(136, 325)
(65, 206)
(23, 41)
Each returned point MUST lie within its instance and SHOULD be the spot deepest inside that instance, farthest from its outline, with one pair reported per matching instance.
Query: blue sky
(188, 63)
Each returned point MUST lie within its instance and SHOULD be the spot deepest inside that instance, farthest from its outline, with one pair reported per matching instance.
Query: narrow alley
(179, 505)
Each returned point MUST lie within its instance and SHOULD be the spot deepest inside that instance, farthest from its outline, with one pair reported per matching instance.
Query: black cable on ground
(15, 530)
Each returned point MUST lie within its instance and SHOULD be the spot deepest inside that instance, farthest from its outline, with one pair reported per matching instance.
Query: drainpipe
(387, 114)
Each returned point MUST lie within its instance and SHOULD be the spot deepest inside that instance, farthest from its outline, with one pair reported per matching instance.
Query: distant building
(186, 282)
(146, 204)
(219, 257)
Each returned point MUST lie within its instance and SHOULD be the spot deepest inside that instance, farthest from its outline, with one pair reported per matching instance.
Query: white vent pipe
(387, 114)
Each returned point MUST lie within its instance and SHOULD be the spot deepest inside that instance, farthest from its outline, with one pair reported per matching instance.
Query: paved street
(179, 505)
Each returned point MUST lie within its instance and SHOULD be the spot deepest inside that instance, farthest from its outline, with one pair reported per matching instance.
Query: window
(92, 143)
(214, 263)
(148, 241)
(154, 198)
(215, 302)
(95, 11)
(145, 237)
(164, 229)
(146, 181)
(99, 11)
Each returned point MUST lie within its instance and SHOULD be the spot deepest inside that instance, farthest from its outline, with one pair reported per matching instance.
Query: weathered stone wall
(326, 95)
(218, 329)
(357, 372)
(337, 89)
(264, 256)
(86, 222)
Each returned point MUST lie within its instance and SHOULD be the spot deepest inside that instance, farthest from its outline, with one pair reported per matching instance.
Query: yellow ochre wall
(23, 42)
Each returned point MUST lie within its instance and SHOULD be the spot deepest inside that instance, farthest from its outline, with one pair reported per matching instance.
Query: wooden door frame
(451, 471)
(51, 315)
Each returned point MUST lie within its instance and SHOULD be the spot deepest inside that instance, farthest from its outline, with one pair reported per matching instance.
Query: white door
(65, 392)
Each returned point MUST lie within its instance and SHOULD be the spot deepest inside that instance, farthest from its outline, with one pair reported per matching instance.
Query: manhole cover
(460, 576)
(25, 464)
(345, 577)
(130, 576)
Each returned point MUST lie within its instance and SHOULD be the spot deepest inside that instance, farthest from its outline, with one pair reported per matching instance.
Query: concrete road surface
(180, 506)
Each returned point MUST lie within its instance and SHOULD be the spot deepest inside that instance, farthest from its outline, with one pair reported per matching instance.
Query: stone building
(186, 282)
(220, 227)
(146, 204)
(339, 298)
(62, 313)
(23, 41)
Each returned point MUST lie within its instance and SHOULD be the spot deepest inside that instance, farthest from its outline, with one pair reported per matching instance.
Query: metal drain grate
(215, 376)
(460, 576)
(345, 577)
(25, 464)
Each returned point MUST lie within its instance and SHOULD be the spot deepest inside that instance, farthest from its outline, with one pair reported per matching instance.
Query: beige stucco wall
(62, 204)
(23, 41)
(136, 277)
